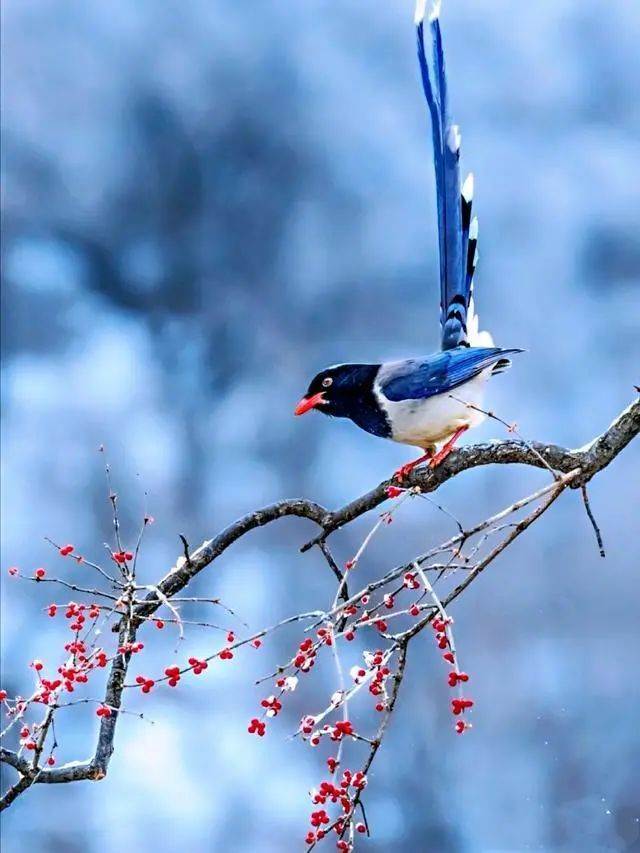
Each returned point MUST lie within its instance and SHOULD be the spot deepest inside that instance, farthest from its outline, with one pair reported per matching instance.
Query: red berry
(66, 550)
(40, 573)
(159, 624)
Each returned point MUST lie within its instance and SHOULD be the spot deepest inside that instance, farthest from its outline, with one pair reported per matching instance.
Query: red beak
(308, 403)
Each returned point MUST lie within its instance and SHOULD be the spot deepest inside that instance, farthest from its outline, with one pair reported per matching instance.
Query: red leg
(447, 448)
(405, 470)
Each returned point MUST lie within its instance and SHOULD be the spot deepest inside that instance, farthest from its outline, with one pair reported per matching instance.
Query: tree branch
(576, 466)
(590, 459)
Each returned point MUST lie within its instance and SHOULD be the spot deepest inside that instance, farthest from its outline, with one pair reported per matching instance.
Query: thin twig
(591, 517)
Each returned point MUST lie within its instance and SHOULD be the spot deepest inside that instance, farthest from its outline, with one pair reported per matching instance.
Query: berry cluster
(272, 705)
(198, 666)
(173, 674)
(378, 674)
(146, 684)
(130, 648)
(306, 656)
(122, 557)
(257, 727)
(345, 793)
(455, 678)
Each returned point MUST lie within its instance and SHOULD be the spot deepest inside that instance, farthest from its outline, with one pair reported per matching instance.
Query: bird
(429, 401)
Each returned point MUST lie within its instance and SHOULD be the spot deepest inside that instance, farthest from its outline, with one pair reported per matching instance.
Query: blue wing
(454, 202)
(417, 379)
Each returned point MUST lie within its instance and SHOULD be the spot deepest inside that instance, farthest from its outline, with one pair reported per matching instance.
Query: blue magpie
(427, 402)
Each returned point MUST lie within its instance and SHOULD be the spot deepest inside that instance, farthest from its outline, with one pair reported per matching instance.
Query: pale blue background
(206, 202)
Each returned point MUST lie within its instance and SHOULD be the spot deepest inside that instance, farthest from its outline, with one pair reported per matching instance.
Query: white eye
(327, 381)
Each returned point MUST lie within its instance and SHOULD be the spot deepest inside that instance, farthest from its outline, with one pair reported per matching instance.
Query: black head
(340, 391)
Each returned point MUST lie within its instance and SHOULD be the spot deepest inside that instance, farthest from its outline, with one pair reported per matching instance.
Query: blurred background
(203, 204)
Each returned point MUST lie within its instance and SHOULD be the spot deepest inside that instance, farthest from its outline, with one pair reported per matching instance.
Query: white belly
(425, 423)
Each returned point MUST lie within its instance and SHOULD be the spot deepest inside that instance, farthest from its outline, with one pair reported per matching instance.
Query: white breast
(425, 423)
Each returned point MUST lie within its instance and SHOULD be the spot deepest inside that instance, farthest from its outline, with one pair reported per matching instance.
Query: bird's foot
(403, 472)
(440, 456)
(446, 449)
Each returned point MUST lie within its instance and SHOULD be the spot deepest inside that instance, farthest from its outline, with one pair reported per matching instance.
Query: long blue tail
(457, 249)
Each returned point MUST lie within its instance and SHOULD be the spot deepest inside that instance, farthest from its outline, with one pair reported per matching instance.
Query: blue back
(419, 378)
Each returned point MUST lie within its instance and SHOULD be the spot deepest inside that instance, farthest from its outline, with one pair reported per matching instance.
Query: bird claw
(406, 469)
(439, 457)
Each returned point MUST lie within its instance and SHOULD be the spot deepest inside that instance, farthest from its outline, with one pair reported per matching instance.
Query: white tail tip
(435, 10)
(453, 138)
(467, 188)
(421, 10)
